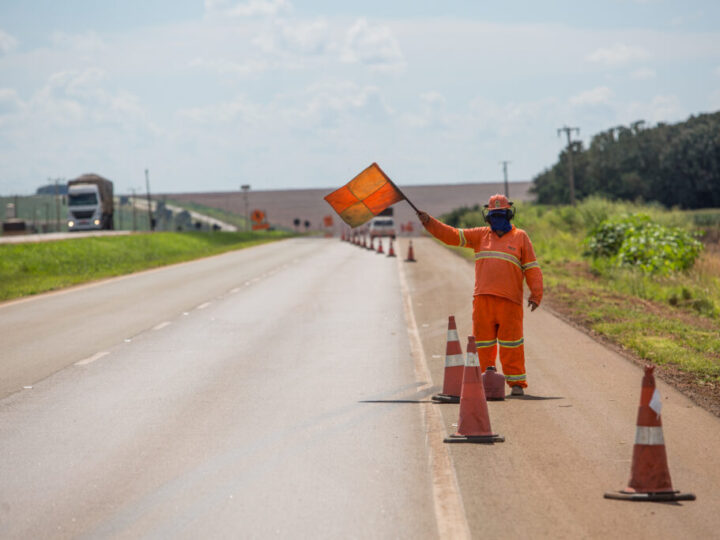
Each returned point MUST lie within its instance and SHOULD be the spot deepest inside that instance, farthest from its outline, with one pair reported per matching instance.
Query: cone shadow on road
(395, 401)
(528, 397)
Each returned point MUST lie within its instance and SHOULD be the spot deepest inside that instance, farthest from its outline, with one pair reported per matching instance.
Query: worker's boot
(517, 391)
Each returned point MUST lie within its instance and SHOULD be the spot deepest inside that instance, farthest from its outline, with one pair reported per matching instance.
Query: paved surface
(570, 439)
(259, 395)
(279, 398)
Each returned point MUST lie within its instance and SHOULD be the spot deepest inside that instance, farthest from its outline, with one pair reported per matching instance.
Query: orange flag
(365, 196)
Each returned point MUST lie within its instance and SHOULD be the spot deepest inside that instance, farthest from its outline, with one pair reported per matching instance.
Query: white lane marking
(203, 306)
(236, 289)
(161, 325)
(185, 313)
(91, 359)
(27, 387)
(449, 509)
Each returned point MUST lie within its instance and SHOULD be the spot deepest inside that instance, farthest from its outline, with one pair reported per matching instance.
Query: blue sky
(289, 94)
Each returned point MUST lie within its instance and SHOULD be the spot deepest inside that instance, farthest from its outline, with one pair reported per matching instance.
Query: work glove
(532, 305)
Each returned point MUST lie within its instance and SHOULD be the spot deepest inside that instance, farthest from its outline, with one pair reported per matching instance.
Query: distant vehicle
(90, 203)
(382, 226)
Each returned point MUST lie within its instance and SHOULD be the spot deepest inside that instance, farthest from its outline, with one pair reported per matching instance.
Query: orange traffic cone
(391, 251)
(474, 422)
(380, 247)
(411, 254)
(454, 367)
(649, 474)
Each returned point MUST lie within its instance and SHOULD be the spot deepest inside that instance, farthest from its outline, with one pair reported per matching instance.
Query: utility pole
(147, 186)
(57, 205)
(507, 189)
(245, 188)
(571, 179)
(134, 210)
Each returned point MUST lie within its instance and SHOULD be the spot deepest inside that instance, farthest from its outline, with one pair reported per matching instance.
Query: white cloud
(643, 74)
(228, 112)
(597, 96)
(617, 55)
(661, 108)
(7, 42)
(251, 8)
(372, 45)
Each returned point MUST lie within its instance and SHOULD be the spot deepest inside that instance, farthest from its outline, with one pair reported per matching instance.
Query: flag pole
(397, 188)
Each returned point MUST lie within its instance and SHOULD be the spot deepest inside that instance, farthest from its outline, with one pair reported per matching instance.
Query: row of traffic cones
(360, 240)
(464, 383)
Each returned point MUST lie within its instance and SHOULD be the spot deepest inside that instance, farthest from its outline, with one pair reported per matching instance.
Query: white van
(382, 226)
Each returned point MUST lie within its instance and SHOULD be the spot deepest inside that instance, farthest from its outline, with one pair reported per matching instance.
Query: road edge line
(449, 508)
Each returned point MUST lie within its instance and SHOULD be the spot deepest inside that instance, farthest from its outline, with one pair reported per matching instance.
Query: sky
(284, 94)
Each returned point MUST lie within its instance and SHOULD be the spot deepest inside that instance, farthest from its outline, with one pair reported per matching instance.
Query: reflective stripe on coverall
(501, 263)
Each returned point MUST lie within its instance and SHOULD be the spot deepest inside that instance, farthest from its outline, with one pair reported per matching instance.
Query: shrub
(638, 242)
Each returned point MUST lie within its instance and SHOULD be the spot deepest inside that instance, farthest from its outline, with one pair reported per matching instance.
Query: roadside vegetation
(32, 268)
(644, 278)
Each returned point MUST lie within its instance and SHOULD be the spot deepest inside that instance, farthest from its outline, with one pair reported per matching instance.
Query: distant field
(33, 268)
(284, 206)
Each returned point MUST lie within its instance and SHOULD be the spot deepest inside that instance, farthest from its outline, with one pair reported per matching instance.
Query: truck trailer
(90, 203)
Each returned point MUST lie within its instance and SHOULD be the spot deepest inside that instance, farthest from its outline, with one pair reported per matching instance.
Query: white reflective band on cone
(453, 335)
(649, 435)
(472, 360)
(452, 360)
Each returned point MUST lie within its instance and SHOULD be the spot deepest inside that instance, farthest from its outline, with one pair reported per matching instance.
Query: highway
(282, 391)
(248, 395)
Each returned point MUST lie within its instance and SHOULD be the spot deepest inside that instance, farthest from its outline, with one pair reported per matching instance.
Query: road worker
(503, 256)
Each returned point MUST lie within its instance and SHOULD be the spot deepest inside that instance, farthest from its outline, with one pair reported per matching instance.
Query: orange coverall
(501, 262)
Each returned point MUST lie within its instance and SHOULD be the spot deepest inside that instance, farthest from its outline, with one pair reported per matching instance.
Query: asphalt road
(255, 394)
(281, 391)
(570, 439)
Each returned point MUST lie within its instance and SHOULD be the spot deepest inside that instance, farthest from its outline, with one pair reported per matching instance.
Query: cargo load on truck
(90, 203)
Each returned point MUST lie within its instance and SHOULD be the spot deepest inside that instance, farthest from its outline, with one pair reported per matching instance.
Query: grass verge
(33, 268)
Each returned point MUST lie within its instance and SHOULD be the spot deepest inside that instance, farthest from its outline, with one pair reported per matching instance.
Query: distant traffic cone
(474, 421)
(391, 251)
(649, 473)
(494, 384)
(411, 254)
(454, 366)
(380, 247)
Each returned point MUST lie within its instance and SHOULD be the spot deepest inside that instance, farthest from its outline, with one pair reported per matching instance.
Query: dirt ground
(570, 438)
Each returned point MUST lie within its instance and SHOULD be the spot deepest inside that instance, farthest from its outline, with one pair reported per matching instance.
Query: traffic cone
(649, 473)
(454, 367)
(380, 247)
(494, 384)
(411, 254)
(474, 421)
(391, 251)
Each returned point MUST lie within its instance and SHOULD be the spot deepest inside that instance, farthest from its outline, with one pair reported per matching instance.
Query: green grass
(669, 320)
(33, 268)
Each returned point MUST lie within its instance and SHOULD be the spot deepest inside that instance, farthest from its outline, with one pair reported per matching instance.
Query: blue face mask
(499, 222)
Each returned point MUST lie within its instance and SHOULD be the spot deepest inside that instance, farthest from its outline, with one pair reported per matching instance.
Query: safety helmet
(498, 202)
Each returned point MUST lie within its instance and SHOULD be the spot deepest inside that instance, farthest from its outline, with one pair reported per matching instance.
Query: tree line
(673, 164)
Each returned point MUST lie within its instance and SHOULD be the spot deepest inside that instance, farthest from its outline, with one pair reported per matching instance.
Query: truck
(383, 225)
(90, 203)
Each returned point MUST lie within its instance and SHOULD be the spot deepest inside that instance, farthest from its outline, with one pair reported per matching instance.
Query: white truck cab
(90, 204)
